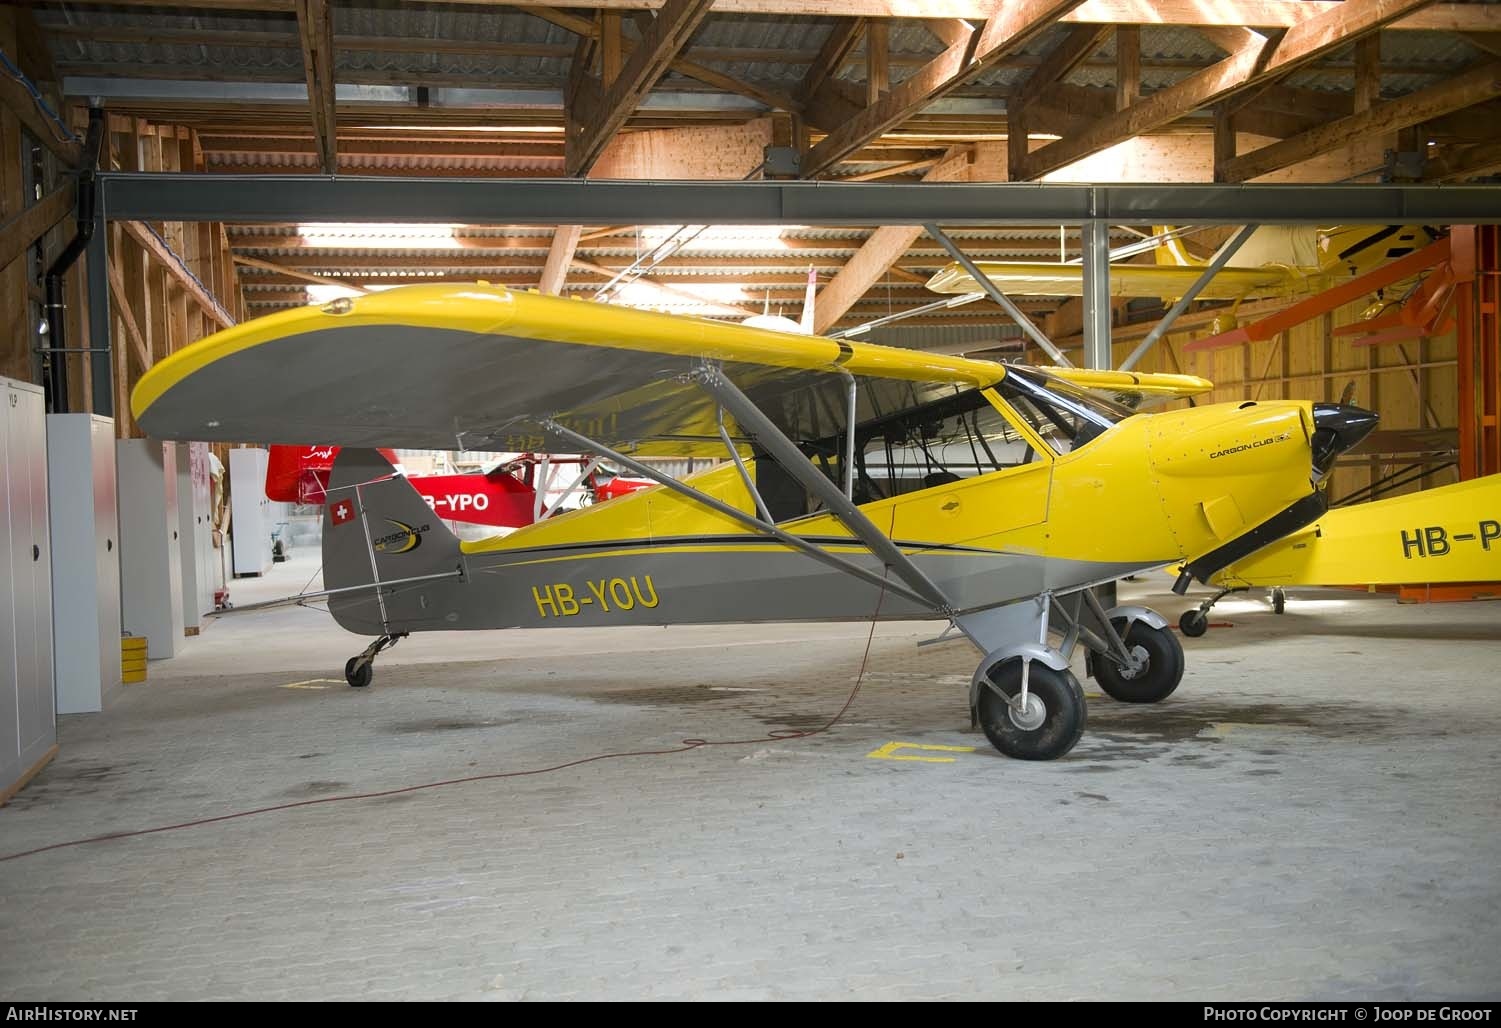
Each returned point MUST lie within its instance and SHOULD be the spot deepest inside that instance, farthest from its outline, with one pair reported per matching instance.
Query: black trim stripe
(724, 540)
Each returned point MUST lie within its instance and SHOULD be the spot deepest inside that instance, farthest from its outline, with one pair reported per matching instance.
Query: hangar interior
(1292, 200)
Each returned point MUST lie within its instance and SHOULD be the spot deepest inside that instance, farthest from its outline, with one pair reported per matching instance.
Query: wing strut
(713, 503)
(713, 381)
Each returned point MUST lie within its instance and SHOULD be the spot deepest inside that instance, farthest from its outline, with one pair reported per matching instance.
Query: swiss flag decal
(341, 511)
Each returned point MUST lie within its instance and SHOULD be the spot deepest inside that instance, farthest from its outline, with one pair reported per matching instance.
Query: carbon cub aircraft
(861, 482)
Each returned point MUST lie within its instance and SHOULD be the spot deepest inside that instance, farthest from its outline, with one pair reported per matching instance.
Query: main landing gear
(1024, 695)
(359, 670)
(1195, 623)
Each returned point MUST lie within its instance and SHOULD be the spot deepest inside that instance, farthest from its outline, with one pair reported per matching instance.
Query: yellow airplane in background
(1276, 260)
(1447, 535)
(860, 482)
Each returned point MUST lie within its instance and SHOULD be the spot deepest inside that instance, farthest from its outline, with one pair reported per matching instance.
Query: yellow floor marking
(312, 683)
(1220, 729)
(888, 752)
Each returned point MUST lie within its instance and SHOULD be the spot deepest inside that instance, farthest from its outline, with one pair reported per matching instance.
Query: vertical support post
(849, 438)
(1097, 295)
(1488, 340)
(96, 269)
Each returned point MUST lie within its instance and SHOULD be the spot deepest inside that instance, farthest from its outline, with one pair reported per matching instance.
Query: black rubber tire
(1279, 601)
(1059, 692)
(359, 678)
(1158, 679)
(1193, 624)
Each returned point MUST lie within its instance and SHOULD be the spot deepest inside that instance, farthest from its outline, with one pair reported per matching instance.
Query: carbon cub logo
(1243, 447)
(405, 540)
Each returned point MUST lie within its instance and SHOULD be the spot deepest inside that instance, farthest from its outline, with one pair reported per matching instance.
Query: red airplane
(504, 497)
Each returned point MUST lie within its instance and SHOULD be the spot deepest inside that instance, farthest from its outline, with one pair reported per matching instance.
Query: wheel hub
(1139, 663)
(1027, 716)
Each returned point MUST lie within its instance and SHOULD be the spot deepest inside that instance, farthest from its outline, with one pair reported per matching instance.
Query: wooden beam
(1127, 66)
(668, 34)
(565, 241)
(877, 64)
(585, 27)
(16, 97)
(128, 318)
(19, 233)
(174, 268)
(831, 56)
(1224, 139)
(1367, 92)
(315, 30)
(732, 309)
(1077, 45)
(610, 58)
(1474, 86)
(1455, 164)
(1013, 25)
(322, 280)
(896, 169)
(1489, 42)
(1444, 17)
(1251, 64)
(880, 252)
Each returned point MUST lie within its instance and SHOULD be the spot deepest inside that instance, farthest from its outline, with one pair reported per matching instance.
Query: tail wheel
(1161, 669)
(358, 672)
(1193, 623)
(1050, 723)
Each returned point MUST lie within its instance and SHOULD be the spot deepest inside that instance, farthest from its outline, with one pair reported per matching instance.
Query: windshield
(1066, 416)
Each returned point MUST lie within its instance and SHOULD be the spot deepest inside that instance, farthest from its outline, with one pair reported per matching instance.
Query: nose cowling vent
(1338, 428)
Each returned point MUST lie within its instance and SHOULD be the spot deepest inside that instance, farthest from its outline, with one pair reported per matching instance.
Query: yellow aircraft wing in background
(1145, 280)
(1450, 534)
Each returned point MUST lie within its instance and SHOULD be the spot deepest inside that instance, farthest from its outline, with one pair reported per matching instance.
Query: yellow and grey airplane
(860, 482)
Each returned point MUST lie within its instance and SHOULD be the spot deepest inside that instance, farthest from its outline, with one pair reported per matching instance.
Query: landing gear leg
(359, 670)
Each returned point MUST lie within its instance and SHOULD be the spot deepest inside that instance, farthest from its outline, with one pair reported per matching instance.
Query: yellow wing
(479, 367)
(1133, 386)
(1146, 280)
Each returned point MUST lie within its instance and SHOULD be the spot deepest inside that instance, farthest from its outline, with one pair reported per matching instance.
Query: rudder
(376, 527)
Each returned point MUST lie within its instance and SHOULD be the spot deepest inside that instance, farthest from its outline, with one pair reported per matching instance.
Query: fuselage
(1149, 490)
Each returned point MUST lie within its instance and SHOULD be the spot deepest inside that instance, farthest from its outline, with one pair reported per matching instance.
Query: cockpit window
(943, 442)
(1066, 416)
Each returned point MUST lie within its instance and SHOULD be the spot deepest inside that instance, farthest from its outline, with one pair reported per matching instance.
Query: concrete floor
(1313, 815)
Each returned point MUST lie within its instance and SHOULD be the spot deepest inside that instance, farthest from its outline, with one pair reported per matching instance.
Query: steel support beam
(146, 196)
(1214, 268)
(796, 464)
(96, 273)
(1096, 239)
(994, 292)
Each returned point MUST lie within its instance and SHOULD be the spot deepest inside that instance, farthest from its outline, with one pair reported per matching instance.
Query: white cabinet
(85, 559)
(195, 533)
(28, 730)
(251, 516)
(150, 550)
